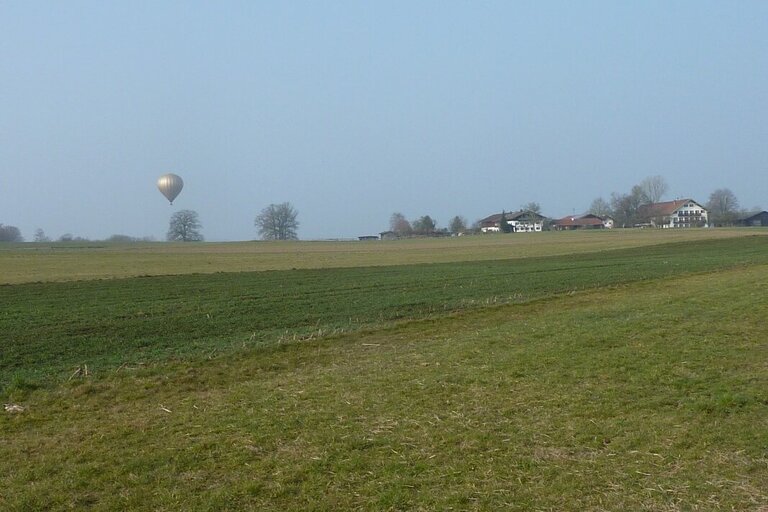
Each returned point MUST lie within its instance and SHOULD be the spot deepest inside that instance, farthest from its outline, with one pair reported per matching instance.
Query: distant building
(758, 219)
(588, 221)
(388, 235)
(521, 222)
(365, 238)
(681, 213)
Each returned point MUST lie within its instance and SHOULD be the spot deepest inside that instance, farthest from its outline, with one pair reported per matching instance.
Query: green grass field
(510, 373)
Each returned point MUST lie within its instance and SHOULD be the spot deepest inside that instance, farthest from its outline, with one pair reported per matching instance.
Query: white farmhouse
(681, 213)
(520, 222)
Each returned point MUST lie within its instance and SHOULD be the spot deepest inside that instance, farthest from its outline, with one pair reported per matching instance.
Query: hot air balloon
(170, 185)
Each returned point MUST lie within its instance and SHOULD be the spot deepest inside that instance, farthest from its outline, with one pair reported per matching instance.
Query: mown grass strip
(50, 328)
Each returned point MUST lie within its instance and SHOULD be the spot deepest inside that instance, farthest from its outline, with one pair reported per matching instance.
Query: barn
(758, 219)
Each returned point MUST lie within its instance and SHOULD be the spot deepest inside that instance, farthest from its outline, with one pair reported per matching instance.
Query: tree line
(624, 208)
(280, 221)
(424, 226)
(13, 234)
(626, 211)
(275, 222)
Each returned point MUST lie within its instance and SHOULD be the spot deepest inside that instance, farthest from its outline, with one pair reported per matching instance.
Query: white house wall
(688, 215)
(526, 227)
(519, 227)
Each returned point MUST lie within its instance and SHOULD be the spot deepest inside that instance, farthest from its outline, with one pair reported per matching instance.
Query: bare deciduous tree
(40, 236)
(458, 224)
(600, 207)
(278, 222)
(723, 207)
(399, 225)
(424, 225)
(10, 234)
(654, 188)
(625, 206)
(184, 227)
(532, 207)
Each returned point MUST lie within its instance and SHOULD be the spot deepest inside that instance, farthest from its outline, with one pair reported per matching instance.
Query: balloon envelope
(170, 185)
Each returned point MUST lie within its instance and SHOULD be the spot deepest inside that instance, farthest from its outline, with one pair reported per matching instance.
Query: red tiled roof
(492, 219)
(587, 220)
(496, 217)
(665, 208)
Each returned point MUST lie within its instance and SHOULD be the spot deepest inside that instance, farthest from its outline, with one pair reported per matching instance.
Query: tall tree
(654, 188)
(399, 225)
(458, 224)
(723, 207)
(40, 236)
(10, 234)
(532, 207)
(600, 207)
(625, 206)
(278, 222)
(184, 227)
(424, 225)
(504, 226)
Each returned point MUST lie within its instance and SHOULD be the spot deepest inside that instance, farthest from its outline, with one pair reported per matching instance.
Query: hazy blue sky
(355, 110)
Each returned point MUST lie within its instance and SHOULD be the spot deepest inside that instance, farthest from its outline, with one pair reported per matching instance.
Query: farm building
(681, 213)
(388, 235)
(521, 222)
(588, 221)
(758, 219)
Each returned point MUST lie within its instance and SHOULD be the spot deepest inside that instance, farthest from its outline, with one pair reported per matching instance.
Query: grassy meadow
(568, 371)
(30, 262)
